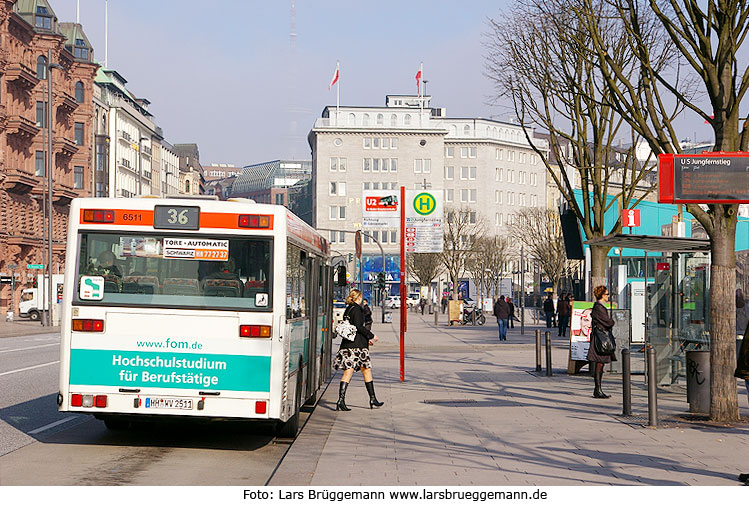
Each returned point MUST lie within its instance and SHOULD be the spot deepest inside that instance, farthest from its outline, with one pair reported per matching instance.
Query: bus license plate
(167, 403)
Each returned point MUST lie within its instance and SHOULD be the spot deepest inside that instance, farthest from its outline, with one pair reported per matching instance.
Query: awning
(652, 243)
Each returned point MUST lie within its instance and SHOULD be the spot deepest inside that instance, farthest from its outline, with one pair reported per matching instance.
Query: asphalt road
(40, 446)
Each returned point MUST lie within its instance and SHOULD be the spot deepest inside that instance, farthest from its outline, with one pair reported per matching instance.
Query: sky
(223, 74)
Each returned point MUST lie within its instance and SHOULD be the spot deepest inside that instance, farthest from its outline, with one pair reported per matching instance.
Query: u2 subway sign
(709, 178)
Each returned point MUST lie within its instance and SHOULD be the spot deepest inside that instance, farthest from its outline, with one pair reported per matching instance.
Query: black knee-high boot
(598, 377)
(372, 399)
(341, 404)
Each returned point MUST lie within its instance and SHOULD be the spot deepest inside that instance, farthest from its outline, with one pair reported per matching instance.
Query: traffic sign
(357, 243)
(35, 266)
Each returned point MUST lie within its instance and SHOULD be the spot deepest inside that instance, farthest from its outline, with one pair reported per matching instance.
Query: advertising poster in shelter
(580, 330)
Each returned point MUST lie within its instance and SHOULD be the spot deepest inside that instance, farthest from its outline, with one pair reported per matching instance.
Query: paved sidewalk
(471, 413)
(22, 327)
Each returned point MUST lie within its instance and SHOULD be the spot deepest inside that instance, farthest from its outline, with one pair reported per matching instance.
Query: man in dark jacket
(549, 310)
(502, 312)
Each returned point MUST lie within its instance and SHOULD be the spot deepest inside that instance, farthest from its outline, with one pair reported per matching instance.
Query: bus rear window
(174, 271)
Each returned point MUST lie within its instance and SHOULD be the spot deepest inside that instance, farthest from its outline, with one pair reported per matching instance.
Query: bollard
(626, 384)
(436, 317)
(538, 350)
(473, 317)
(548, 353)
(652, 393)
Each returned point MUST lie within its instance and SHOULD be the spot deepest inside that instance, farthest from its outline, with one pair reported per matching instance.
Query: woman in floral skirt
(354, 355)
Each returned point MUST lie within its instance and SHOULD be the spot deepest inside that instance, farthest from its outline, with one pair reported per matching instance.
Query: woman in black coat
(602, 320)
(354, 355)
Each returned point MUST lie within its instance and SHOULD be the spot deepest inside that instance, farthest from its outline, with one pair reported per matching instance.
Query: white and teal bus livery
(193, 308)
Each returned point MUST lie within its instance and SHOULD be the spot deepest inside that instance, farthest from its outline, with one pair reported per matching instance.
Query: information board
(380, 209)
(424, 213)
(710, 178)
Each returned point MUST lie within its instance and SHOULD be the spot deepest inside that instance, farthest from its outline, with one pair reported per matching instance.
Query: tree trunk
(598, 266)
(723, 403)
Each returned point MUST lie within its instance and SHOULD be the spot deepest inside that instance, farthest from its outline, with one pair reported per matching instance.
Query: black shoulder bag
(603, 341)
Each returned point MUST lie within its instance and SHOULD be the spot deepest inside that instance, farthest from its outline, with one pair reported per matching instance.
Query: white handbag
(345, 330)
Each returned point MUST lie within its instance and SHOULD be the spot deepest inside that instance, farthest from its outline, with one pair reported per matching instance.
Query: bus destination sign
(176, 217)
(710, 178)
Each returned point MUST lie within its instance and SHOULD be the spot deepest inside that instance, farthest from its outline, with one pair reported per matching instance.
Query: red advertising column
(404, 292)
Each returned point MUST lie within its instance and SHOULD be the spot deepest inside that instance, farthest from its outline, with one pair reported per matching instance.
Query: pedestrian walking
(549, 310)
(564, 310)
(600, 319)
(502, 312)
(368, 320)
(354, 355)
(742, 312)
(444, 304)
(512, 312)
(422, 304)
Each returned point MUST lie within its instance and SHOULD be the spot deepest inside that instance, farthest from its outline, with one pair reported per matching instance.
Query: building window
(365, 119)
(39, 164)
(279, 199)
(471, 152)
(77, 177)
(423, 166)
(43, 18)
(450, 195)
(449, 173)
(351, 118)
(393, 143)
(464, 195)
(472, 196)
(80, 50)
(41, 114)
(187, 187)
(464, 152)
(380, 119)
(466, 130)
(393, 236)
(393, 120)
(376, 143)
(79, 92)
(41, 68)
(337, 189)
(449, 151)
(367, 165)
(79, 134)
(367, 142)
(407, 120)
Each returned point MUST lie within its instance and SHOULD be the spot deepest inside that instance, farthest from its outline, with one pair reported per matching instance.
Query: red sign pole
(403, 283)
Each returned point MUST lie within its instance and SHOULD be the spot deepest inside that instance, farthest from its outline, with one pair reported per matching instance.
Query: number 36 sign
(176, 218)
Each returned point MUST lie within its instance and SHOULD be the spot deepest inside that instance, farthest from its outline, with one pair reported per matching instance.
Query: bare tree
(537, 56)
(424, 267)
(486, 263)
(540, 231)
(463, 228)
(708, 36)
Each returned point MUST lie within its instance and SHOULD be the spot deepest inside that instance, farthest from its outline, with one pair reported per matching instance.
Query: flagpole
(421, 94)
(338, 91)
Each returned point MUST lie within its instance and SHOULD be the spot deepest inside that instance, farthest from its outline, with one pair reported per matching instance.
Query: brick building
(29, 30)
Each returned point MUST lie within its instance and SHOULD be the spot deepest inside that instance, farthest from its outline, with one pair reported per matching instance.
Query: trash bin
(698, 381)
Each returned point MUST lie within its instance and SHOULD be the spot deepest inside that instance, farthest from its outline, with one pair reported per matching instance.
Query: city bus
(193, 308)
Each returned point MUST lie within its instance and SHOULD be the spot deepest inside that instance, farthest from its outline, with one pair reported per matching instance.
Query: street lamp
(48, 270)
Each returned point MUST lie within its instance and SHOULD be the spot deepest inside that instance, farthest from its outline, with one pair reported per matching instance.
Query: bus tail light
(261, 407)
(254, 331)
(98, 215)
(76, 400)
(88, 325)
(100, 401)
(254, 221)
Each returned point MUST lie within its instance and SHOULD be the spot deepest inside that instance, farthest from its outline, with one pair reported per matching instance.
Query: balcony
(66, 102)
(19, 181)
(65, 147)
(63, 194)
(22, 127)
(21, 75)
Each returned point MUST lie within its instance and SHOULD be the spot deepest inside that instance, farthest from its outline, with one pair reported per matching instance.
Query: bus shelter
(662, 284)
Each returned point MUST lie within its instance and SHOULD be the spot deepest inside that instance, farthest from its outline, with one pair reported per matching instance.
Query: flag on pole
(335, 76)
(418, 82)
